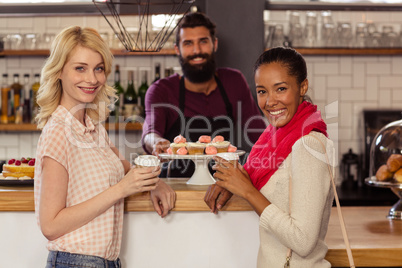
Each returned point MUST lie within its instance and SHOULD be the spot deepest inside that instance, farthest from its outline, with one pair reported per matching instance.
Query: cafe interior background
(355, 79)
(353, 52)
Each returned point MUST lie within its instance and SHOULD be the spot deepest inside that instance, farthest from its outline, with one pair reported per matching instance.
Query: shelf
(350, 51)
(331, 5)
(116, 52)
(33, 128)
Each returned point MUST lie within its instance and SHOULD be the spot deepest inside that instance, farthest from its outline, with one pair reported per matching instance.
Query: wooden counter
(375, 240)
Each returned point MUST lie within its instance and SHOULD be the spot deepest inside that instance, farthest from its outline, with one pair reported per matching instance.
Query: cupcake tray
(201, 174)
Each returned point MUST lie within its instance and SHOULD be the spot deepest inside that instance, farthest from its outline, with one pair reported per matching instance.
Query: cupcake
(196, 147)
(177, 146)
(221, 146)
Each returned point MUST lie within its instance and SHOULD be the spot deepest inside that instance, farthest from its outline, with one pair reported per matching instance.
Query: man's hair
(192, 20)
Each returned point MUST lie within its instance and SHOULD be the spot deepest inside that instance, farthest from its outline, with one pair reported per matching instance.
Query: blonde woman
(81, 179)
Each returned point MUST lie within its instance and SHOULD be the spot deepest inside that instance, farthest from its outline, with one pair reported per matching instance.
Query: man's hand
(160, 146)
(163, 198)
(155, 144)
(216, 197)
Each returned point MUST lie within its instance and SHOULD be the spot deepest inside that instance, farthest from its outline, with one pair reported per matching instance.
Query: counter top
(188, 198)
(375, 240)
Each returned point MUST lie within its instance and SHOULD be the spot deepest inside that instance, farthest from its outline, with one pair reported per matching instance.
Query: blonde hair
(50, 91)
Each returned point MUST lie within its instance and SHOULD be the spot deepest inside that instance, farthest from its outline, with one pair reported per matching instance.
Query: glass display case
(386, 163)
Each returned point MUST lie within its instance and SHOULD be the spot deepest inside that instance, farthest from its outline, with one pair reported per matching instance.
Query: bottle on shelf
(130, 97)
(5, 88)
(157, 72)
(169, 71)
(14, 100)
(117, 107)
(33, 104)
(142, 90)
(25, 104)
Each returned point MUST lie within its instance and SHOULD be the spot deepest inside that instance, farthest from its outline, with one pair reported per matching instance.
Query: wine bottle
(5, 88)
(157, 72)
(34, 104)
(14, 101)
(130, 97)
(142, 90)
(118, 105)
(25, 106)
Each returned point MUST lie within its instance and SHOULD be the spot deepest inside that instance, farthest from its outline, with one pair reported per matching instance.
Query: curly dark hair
(196, 19)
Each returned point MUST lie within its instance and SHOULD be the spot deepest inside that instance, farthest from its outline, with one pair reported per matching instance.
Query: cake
(19, 169)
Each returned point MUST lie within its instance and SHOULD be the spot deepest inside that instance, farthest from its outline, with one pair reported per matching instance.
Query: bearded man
(205, 100)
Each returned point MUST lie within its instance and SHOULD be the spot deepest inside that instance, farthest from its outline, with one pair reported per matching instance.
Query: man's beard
(201, 72)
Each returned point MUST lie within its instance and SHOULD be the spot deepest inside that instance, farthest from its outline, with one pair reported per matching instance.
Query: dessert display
(386, 164)
(22, 169)
(204, 145)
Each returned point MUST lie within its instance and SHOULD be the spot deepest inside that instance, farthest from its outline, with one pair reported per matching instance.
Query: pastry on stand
(386, 164)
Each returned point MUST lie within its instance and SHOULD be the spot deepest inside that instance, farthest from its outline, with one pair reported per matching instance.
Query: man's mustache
(203, 55)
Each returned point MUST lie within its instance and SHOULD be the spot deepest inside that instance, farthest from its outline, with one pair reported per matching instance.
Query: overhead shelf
(350, 51)
(33, 127)
(332, 5)
(116, 52)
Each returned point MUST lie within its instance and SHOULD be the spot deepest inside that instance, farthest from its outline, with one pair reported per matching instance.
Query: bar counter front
(191, 236)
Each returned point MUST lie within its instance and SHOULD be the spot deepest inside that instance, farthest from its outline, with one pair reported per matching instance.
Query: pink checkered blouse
(92, 168)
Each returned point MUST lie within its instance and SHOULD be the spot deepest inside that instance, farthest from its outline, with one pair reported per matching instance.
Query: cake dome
(385, 148)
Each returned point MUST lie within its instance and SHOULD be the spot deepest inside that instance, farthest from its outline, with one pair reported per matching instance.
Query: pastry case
(386, 163)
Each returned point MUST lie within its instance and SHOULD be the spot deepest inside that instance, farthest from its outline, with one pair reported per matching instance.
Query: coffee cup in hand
(229, 157)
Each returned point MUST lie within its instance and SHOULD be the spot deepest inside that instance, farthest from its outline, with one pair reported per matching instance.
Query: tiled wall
(342, 86)
(378, 18)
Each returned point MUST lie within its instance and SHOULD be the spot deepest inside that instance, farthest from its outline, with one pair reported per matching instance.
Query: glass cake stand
(201, 175)
(395, 212)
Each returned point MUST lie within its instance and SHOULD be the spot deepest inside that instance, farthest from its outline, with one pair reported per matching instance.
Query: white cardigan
(312, 196)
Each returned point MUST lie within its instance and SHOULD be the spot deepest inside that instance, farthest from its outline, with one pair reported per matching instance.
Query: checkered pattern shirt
(92, 168)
